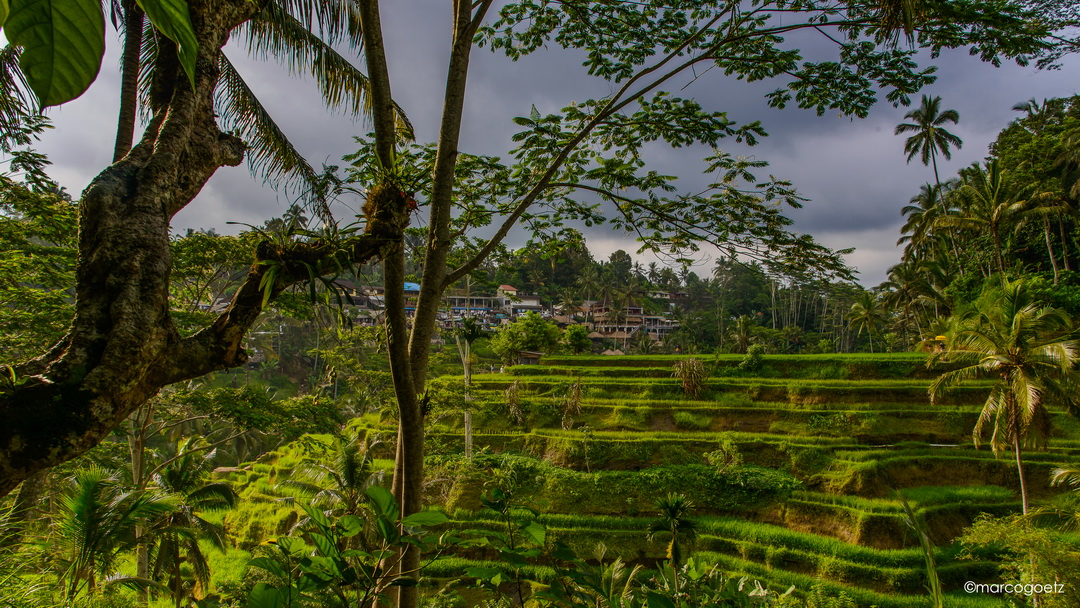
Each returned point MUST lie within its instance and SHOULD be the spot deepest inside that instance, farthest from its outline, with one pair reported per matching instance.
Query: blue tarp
(412, 286)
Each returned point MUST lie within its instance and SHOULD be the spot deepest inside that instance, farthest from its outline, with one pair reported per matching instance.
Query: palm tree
(990, 202)
(674, 521)
(177, 534)
(589, 282)
(920, 231)
(97, 523)
(570, 302)
(930, 136)
(1027, 351)
(617, 314)
(338, 486)
(743, 333)
(916, 288)
(866, 314)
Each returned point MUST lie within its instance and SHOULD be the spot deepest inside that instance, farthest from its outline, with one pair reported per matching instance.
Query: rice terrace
(539, 304)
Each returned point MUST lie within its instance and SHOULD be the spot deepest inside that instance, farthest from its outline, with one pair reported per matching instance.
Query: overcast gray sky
(853, 171)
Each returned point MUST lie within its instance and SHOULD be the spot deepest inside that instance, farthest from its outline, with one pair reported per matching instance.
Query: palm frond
(274, 33)
(335, 21)
(147, 60)
(16, 100)
(270, 153)
(1069, 476)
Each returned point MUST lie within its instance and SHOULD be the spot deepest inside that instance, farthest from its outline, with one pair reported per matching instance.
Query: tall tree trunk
(409, 458)
(1017, 448)
(409, 357)
(1050, 248)
(466, 358)
(997, 249)
(138, 433)
(1064, 244)
(129, 79)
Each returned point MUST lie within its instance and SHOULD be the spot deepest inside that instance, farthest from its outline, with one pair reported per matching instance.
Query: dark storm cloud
(852, 170)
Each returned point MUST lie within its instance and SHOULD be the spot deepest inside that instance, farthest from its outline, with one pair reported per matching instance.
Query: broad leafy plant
(321, 565)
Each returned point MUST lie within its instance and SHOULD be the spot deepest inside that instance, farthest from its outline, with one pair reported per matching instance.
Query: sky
(853, 171)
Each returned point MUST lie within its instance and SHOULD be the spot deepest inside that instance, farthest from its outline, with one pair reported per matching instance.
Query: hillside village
(603, 321)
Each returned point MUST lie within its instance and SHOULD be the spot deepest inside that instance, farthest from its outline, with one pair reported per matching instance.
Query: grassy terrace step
(624, 450)
(874, 478)
(490, 399)
(778, 580)
(629, 449)
(880, 523)
(918, 498)
(896, 423)
(758, 389)
(771, 549)
(742, 400)
(781, 580)
(840, 366)
(732, 532)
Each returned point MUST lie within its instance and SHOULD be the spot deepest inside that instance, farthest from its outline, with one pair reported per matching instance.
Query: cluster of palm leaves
(102, 518)
(304, 36)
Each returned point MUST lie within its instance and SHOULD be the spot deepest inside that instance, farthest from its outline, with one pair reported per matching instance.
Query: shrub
(754, 356)
(725, 456)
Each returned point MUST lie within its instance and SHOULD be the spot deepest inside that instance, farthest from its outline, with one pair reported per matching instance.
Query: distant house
(412, 295)
(529, 357)
(516, 303)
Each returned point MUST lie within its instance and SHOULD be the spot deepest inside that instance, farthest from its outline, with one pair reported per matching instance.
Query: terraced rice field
(825, 442)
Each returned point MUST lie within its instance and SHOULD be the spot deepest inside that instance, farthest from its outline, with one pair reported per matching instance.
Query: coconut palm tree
(743, 333)
(867, 315)
(97, 523)
(1027, 351)
(338, 485)
(990, 202)
(929, 134)
(674, 521)
(920, 230)
(468, 333)
(177, 534)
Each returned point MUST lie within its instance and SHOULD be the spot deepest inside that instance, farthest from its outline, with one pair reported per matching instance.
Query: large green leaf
(265, 596)
(171, 17)
(3, 12)
(385, 503)
(535, 531)
(63, 42)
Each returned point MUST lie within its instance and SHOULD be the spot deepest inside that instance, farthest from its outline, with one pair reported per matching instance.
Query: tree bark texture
(122, 346)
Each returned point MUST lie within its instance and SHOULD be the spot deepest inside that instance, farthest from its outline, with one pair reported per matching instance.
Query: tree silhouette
(930, 136)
